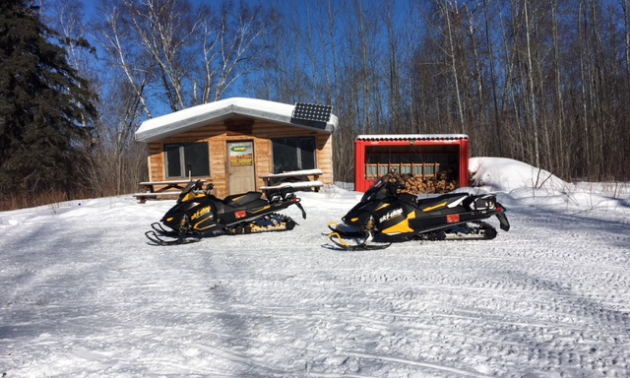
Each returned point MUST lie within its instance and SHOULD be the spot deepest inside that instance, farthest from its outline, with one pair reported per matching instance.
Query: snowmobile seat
(407, 197)
(238, 200)
(427, 203)
(483, 202)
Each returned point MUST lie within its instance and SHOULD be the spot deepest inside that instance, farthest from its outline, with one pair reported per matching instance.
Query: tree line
(544, 82)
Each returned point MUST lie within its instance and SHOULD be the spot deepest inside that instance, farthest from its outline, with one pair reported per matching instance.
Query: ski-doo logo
(390, 215)
(201, 212)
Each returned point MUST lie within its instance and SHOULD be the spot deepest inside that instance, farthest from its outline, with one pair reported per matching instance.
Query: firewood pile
(424, 185)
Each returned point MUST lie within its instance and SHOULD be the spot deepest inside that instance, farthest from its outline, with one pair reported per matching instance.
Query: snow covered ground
(83, 294)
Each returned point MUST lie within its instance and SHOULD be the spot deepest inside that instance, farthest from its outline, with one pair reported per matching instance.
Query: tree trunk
(453, 62)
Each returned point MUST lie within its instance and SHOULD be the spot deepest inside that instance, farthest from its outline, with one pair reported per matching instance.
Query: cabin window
(292, 154)
(186, 159)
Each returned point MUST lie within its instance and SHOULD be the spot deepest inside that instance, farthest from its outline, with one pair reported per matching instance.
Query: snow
(200, 115)
(201, 110)
(84, 295)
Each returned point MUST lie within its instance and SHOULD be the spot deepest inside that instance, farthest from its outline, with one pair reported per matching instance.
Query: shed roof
(201, 115)
(404, 137)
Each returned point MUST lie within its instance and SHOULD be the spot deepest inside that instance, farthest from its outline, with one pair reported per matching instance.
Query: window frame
(299, 152)
(181, 148)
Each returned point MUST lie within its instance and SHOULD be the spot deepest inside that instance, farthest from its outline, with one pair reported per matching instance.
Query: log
(415, 185)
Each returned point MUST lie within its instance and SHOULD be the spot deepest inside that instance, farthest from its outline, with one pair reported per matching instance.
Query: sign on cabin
(241, 154)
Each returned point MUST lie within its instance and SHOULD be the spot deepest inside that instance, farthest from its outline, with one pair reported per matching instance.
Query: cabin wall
(217, 136)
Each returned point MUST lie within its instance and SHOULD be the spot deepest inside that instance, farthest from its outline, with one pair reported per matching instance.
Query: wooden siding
(217, 136)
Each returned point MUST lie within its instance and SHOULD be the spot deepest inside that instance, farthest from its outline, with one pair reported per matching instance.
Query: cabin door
(242, 177)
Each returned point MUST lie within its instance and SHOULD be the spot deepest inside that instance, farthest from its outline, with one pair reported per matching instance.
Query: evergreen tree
(46, 108)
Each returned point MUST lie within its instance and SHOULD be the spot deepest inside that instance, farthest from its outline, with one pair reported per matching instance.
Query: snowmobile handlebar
(192, 186)
(198, 185)
(394, 187)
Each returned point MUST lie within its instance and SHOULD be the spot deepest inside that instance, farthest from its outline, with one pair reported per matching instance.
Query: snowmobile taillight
(240, 214)
(453, 218)
(500, 209)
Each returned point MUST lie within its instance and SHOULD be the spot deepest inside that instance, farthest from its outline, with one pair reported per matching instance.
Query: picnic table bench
(292, 179)
(161, 189)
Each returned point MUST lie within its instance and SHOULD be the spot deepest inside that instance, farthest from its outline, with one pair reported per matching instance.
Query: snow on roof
(413, 137)
(200, 115)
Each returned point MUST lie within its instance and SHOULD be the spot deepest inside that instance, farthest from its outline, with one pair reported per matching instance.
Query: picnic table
(161, 189)
(292, 179)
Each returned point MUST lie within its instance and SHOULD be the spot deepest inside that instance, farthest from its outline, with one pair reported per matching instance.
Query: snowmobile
(385, 215)
(198, 213)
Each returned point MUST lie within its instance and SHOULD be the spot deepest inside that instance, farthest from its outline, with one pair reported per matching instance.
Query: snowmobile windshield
(377, 190)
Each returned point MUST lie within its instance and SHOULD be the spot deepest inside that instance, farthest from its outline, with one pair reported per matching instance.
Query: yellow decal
(193, 196)
(402, 226)
(428, 209)
(201, 212)
(202, 226)
(259, 210)
(189, 197)
(382, 207)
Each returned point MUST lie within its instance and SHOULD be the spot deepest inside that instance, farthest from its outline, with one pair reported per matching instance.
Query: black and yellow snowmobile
(198, 213)
(384, 215)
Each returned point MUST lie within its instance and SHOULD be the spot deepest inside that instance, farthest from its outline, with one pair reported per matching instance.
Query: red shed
(426, 155)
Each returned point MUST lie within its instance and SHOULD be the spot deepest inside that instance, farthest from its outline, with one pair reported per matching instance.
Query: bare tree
(498, 139)
(180, 54)
(532, 91)
(117, 39)
(478, 72)
(625, 4)
(447, 8)
(120, 162)
(543, 83)
(560, 161)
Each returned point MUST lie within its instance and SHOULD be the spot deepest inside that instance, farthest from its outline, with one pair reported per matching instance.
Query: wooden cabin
(235, 142)
(426, 158)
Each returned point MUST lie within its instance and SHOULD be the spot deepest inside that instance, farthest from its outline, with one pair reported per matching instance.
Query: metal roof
(197, 116)
(405, 137)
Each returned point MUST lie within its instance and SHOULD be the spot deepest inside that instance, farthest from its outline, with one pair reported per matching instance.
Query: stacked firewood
(441, 183)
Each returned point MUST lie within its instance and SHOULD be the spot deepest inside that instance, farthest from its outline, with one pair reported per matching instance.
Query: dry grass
(16, 202)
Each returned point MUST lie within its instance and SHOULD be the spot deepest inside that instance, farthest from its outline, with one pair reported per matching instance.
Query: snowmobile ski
(349, 239)
(159, 240)
(360, 244)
